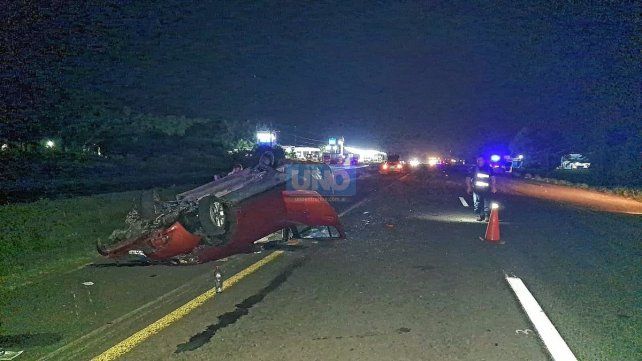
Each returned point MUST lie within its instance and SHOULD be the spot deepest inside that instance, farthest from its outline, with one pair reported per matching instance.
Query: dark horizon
(435, 76)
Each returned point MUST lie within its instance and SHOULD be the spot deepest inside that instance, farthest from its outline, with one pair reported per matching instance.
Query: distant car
(333, 158)
(222, 218)
(393, 166)
(575, 161)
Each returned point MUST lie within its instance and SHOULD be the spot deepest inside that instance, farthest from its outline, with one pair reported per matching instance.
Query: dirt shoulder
(564, 194)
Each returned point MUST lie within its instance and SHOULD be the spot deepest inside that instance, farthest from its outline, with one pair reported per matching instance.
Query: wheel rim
(217, 214)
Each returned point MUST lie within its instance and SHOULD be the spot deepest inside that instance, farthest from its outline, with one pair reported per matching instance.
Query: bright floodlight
(495, 158)
(520, 157)
(50, 144)
(265, 137)
(414, 162)
(432, 161)
(494, 205)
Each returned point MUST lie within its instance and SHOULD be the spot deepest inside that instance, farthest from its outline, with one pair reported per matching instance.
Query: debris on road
(218, 278)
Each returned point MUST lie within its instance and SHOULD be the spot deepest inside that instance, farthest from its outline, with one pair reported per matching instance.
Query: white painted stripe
(463, 202)
(361, 202)
(353, 207)
(554, 343)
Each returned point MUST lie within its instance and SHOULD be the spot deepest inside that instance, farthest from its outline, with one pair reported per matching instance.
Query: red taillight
(399, 166)
(385, 166)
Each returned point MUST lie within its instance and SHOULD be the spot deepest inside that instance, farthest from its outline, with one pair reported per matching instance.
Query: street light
(50, 144)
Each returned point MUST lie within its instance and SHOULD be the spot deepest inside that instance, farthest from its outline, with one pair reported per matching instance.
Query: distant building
(366, 155)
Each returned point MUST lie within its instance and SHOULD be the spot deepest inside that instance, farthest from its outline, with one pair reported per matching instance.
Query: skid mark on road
(134, 340)
(241, 309)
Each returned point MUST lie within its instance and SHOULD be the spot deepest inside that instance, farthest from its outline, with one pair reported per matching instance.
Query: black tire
(215, 216)
(266, 160)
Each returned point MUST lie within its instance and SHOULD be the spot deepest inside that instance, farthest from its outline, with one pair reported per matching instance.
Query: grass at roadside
(50, 236)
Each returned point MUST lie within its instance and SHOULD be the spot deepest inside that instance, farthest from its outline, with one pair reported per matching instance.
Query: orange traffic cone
(492, 231)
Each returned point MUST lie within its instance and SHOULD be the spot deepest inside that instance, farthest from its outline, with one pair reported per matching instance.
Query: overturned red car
(223, 217)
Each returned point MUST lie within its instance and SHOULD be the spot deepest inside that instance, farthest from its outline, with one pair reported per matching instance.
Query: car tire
(266, 160)
(215, 216)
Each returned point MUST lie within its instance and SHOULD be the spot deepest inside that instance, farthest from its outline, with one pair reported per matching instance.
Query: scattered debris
(88, 283)
(218, 279)
(525, 331)
(366, 212)
(390, 225)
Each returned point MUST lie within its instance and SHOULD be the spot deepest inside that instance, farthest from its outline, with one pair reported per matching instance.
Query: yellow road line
(132, 341)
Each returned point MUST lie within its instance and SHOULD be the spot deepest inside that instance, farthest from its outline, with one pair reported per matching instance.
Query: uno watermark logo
(322, 179)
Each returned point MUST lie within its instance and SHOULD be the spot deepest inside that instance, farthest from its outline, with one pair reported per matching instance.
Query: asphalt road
(411, 282)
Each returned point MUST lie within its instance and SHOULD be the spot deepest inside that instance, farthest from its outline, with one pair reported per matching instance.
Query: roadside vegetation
(110, 151)
(614, 151)
(50, 236)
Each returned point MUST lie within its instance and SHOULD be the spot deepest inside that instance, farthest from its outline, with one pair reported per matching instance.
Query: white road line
(349, 209)
(353, 206)
(463, 202)
(554, 343)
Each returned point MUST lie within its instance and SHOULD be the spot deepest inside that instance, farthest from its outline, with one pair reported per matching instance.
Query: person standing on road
(481, 183)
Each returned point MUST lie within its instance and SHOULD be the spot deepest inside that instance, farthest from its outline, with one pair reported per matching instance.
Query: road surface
(411, 282)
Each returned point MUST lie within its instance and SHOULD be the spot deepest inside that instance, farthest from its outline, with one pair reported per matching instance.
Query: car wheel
(214, 216)
(267, 160)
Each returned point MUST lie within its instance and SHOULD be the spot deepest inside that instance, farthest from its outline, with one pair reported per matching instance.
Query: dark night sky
(434, 74)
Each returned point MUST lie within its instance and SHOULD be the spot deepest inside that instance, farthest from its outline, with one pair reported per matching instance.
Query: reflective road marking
(463, 202)
(554, 343)
(132, 341)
